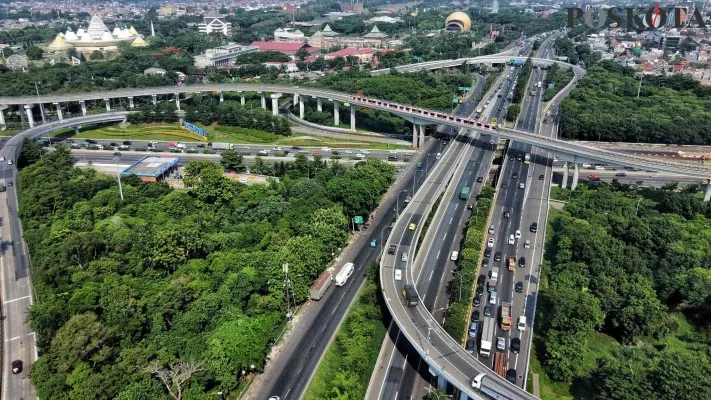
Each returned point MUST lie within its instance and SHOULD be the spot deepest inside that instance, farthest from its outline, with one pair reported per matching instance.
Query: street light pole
(118, 176)
(429, 329)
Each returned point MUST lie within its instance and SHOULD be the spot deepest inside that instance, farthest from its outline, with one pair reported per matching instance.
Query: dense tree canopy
(174, 280)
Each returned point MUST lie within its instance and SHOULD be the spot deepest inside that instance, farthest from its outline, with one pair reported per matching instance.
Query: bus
(464, 193)
(527, 158)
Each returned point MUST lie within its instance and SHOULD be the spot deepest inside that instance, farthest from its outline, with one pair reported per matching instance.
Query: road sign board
(358, 220)
(464, 89)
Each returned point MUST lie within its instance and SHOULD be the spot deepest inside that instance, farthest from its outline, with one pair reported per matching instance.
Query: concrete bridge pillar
(154, 98)
(422, 135)
(241, 98)
(319, 104)
(275, 103)
(82, 103)
(2, 118)
(130, 102)
(707, 193)
(177, 100)
(28, 111)
(76, 130)
(564, 182)
(301, 107)
(222, 97)
(414, 135)
(296, 99)
(59, 111)
(441, 382)
(353, 118)
(108, 105)
(336, 117)
(575, 177)
(264, 101)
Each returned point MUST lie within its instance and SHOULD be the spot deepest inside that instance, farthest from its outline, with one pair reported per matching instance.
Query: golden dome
(458, 21)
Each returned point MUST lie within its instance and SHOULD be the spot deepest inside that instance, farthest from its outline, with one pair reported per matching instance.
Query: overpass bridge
(490, 59)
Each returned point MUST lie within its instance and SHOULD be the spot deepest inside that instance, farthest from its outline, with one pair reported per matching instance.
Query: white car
(654, 176)
(404, 257)
(490, 243)
(398, 274)
(454, 256)
(2, 159)
(243, 180)
(348, 152)
(438, 155)
(361, 156)
(492, 297)
(9, 162)
(365, 151)
(517, 235)
(527, 244)
(521, 185)
(511, 239)
(325, 149)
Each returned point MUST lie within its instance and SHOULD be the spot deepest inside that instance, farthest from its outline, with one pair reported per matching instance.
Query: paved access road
(19, 340)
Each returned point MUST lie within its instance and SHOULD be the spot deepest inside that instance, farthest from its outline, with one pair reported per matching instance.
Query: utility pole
(118, 176)
(639, 89)
(287, 284)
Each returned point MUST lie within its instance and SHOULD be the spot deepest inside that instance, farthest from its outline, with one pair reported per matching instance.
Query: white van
(454, 256)
(511, 239)
(521, 325)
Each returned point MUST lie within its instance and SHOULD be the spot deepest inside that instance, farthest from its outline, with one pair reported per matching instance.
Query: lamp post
(414, 179)
(118, 176)
(429, 329)
(397, 203)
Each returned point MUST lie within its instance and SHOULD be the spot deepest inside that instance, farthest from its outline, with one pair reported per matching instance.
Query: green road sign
(464, 89)
(455, 100)
(358, 220)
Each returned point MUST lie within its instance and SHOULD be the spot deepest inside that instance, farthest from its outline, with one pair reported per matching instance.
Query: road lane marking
(17, 299)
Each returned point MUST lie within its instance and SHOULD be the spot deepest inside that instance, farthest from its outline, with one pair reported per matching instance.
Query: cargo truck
(221, 146)
(505, 316)
(487, 337)
(500, 364)
(320, 287)
(344, 274)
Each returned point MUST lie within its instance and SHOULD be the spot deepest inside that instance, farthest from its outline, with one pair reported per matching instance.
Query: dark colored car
(201, 146)
(522, 262)
(515, 345)
(420, 165)
(113, 144)
(534, 227)
(487, 252)
(485, 263)
(481, 279)
(470, 206)
(477, 301)
(17, 366)
(480, 179)
(541, 177)
(620, 174)
(507, 214)
(504, 185)
(511, 375)
(519, 287)
(475, 316)
(487, 310)
(471, 346)
(126, 142)
(497, 256)
(480, 289)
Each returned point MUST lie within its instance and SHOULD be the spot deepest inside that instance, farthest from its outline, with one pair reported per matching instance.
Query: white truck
(221, 146)
(493, 276)
(487, 337)
(344, 274)
(321, 285)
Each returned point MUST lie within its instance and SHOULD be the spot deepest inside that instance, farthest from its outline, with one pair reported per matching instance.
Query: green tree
(34, 53)
(232, 160)
(96, 55)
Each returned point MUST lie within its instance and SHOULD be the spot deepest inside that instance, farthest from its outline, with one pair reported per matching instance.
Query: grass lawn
(216, 133)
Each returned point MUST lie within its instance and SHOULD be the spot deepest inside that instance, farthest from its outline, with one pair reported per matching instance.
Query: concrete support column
(319, 104)
(108, 105)
(301, 107)
(2, 118)
(130, 102)
(264, 101)
(414, 135)
(59, 111)
(441, 382)
(82, 103)
(275, 103)
(296, 99)
(336, 117)
(575, 177)
(76, 130)
(353, 119)
(28, 111)
(222, 97)
(241, 98)
(422, 135)
(154, 98)
(177, 100)
(564, 182)
(707, 193)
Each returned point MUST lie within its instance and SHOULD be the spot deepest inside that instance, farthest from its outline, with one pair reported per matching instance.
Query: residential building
(223, 56)
(355, 8)
(672, 42)
(214, 22)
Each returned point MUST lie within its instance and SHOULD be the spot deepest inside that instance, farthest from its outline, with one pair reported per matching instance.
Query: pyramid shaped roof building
(59, 44)
(97, 28)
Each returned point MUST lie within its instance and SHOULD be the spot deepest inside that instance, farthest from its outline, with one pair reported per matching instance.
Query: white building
(289, 35)
(223, 56)
(214, 22)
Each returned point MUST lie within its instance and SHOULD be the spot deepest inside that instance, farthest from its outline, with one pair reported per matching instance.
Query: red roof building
(288, 48)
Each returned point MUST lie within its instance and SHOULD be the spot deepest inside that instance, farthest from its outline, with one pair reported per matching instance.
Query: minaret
(153, 32)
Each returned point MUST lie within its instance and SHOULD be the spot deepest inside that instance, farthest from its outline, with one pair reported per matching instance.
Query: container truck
(344, 274)
(320, 287)
(487, 337)
(221, 146)
(500, 364)
(505, 316)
